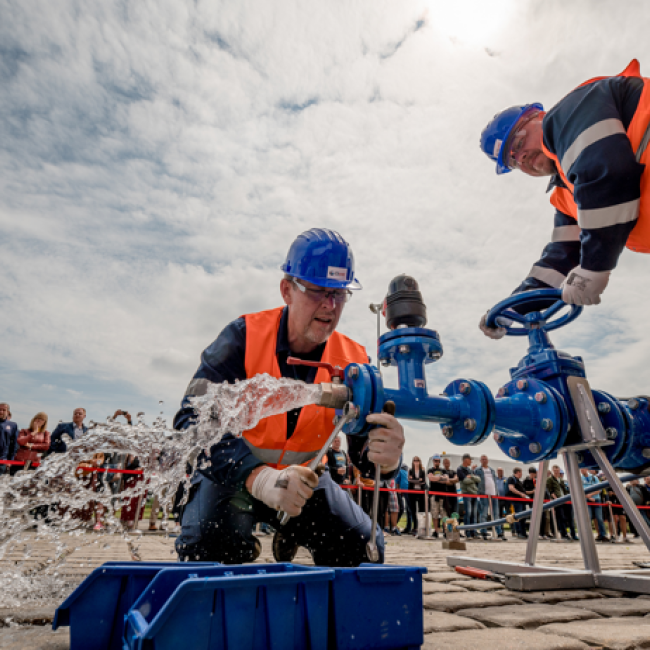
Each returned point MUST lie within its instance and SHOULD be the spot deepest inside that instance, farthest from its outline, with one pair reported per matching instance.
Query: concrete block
(444, 622)
(558, 596)
(34, 638)
(452, 602)
(613, 606)
(526, 617)
(503, 639)
(627, 633)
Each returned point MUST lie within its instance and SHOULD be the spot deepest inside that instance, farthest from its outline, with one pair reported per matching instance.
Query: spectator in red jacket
(32, 442)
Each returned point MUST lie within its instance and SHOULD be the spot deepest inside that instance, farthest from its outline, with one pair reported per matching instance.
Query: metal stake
(536, 516)
(555, 528)
(587, 543)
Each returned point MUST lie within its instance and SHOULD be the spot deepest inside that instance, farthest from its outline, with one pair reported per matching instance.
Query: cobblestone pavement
(458, 611)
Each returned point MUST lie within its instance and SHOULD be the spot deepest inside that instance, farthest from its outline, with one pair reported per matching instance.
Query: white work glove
(385, 443)
(285, 489)
(584, 287)
(494, 332)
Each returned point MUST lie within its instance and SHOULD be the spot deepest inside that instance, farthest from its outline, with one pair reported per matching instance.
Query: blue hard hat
(323, 258)
(495, 135)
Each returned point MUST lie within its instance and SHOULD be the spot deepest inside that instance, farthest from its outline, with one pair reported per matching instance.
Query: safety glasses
(318, 295)
(516, 141)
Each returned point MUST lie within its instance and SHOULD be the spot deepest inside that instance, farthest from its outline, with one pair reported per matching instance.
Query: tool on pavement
(371, 546)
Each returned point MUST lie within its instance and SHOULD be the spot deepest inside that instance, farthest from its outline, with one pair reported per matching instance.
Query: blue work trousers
(471, 506)
(484, 509)
(217, 525)
(596, 512)
(520, 526)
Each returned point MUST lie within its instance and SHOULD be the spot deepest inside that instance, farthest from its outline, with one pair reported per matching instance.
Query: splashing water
(67, 491)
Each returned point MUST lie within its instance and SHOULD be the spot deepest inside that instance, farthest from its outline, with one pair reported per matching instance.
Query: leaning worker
(593, 145)
(242, 483)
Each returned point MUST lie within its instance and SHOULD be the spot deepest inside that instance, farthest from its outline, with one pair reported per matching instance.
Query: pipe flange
(531, 420)
(613, 419)
(367, 393)
(476, 412)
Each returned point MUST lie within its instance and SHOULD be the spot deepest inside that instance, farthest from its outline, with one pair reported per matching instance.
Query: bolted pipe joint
(470, 424)
(514, 452)
(546, 424)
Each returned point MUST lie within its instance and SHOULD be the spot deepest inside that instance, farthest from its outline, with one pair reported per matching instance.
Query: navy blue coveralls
(218, 520)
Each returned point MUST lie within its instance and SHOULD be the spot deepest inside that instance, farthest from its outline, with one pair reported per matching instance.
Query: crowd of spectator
(24, 449)
(480, 493)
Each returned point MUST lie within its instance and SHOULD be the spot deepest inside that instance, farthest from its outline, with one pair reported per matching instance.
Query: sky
(158, 158)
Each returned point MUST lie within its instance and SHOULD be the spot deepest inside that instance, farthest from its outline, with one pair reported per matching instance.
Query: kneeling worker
(239, 485)
(593, 146)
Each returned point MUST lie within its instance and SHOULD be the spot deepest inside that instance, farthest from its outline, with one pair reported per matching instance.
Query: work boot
(284, 548)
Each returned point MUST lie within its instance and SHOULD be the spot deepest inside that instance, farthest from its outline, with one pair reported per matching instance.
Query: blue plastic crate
(377, 606)
(95, 610)
(236, 607)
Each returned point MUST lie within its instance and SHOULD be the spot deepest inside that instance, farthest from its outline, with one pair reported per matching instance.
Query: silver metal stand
(427, 526)
(528, 576)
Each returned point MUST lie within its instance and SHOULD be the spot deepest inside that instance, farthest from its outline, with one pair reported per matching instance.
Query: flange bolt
(470, 424)
(404, 349)
(434, 354)
(447, 431)
(502, 392)
(633, 403)
(514, 452)
(354, 372)
(547, 424)
(522, 384)
(464, 388)
(611, 433)
(604, 407)
(540, 397)
(534, 447)
(499, 437)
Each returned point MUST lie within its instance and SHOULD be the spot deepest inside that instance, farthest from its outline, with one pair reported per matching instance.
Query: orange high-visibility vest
(268, 440)
(562, 199)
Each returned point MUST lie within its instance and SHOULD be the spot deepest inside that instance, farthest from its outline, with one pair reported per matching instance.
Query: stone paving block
(613, 606)
(556, 596)
(34, 638)
(480, 585)
(29, 614)
(452, 602)
(501, 639)
(527, 617)
(444, 622)
(444, 576)
(627, 633)
(441, 587)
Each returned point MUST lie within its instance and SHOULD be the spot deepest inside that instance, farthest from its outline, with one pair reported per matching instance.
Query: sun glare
(473, 22)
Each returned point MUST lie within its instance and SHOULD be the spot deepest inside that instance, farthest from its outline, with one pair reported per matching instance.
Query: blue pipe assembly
(532, 417)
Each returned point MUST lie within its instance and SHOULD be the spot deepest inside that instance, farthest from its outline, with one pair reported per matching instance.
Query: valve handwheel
(534, 319)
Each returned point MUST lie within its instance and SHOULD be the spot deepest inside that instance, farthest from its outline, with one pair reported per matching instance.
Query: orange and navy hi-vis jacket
(268, 440)
(601, 194)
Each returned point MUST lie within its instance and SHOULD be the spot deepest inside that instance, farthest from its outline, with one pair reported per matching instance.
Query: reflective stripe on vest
(638, 133)
(268, 440)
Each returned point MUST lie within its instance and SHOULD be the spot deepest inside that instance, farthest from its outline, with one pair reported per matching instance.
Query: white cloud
(157, 161)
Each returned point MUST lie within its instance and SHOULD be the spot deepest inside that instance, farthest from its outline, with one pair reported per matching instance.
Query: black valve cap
(404, 304)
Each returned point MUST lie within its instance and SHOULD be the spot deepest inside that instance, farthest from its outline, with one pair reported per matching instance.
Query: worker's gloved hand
(285, 489)
(494, 332)
(584, 287)
(385, 443)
